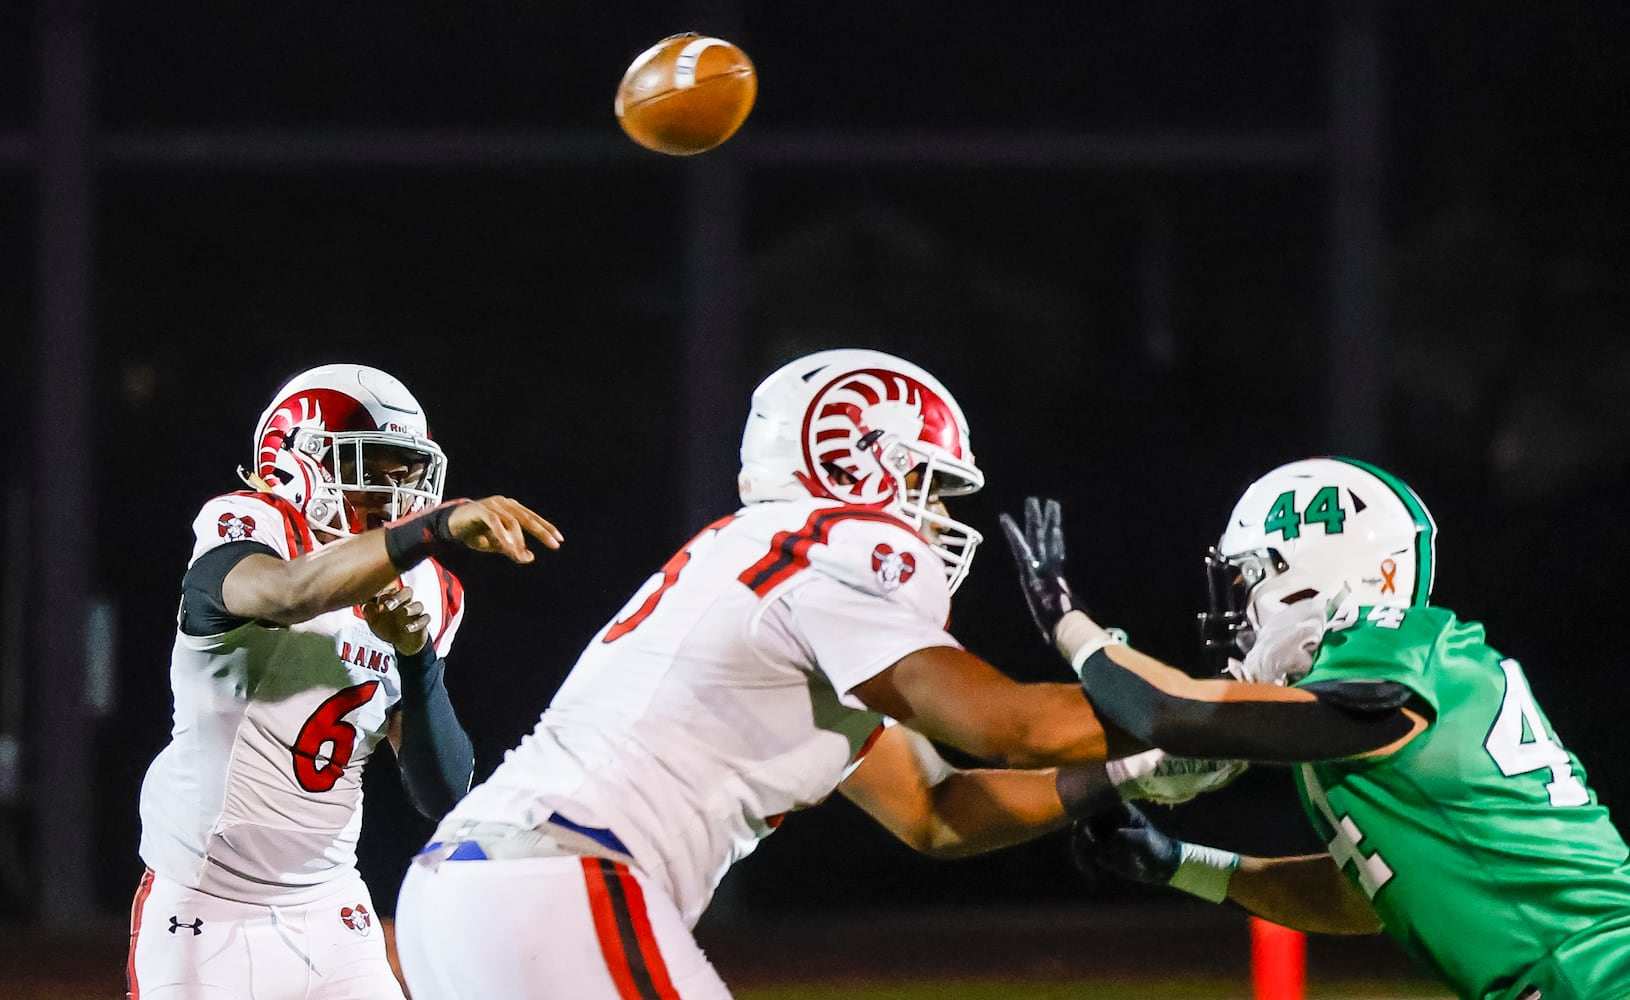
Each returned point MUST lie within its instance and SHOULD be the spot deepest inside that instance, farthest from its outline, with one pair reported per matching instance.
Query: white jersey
(719, 699)
(258, 796)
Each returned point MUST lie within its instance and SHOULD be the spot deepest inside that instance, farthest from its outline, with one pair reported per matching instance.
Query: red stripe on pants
(624, 929)
(143, 890)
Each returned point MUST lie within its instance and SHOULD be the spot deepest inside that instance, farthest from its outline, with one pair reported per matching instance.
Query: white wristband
(1123, 771)
(1204, 871)
(1077, 636)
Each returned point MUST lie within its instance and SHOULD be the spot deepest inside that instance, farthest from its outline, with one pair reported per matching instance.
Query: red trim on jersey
(143, 890)
(452, 599)
(789, 550)
(626, 940)
(295, 529)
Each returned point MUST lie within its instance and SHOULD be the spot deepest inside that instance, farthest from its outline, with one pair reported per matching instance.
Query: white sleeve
(872, 594)
(250, 517)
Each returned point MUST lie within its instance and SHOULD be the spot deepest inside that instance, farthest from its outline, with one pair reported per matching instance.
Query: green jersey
(1479, 843)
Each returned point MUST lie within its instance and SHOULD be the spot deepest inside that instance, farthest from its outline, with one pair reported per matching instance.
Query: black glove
(1123, 841)
(1039, 552)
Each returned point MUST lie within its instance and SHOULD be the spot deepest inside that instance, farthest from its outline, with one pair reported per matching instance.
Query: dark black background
(536, 313)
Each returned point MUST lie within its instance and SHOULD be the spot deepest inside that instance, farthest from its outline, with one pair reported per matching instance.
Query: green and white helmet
(1321, 528)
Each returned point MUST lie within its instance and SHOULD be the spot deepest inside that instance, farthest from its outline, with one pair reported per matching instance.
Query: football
(686, 94)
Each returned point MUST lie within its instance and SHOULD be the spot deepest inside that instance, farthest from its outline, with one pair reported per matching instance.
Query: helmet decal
(853, 425)
(843, 449)
(1426, 538)
(316, 407)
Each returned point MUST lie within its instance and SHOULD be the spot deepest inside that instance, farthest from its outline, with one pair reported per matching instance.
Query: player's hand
(499, 524)
(1158, 777)
(1038, 551)
(398, 619)
(1123, 841)
(1283, 649)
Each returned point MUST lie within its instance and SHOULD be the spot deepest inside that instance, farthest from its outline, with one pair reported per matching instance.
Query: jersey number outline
(670, 575)
(327, 725)
(1346, 839)
(1515, 756)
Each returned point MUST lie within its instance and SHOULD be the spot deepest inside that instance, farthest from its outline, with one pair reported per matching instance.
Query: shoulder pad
(875, 552)
(250, 516)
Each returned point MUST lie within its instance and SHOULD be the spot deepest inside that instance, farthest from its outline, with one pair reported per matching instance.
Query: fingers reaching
(544, 531)
(1053, 532)
(1016, 541)
(500, 524)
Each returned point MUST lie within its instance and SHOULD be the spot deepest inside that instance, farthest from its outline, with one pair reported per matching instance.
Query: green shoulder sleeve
(1382, 644)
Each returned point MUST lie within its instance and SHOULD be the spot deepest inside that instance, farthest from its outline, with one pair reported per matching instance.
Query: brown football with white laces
(686, 94)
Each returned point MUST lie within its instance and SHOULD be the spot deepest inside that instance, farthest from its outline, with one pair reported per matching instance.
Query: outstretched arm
(1306, 893)
(1163, 706)
(948, 813)
(1158, 705)
(262, 587)
(952, 696)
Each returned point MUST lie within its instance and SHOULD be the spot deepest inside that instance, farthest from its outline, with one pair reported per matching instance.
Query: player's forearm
(436, 758)
(1228, 719)
(1045, 725)
(952, 696)
(338, 575)
(1306, 893)
(984, 810)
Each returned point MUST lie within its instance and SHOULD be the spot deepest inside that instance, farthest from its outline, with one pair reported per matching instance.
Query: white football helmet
(1320, 529)
(312, 443)
(852, 425)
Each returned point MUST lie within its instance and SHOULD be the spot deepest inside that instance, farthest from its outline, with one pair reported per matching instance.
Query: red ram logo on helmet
(841, 441)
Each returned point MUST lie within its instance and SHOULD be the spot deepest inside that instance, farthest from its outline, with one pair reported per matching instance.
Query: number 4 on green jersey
(1519, 743)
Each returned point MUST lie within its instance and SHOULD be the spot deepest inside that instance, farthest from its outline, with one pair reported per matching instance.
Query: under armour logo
(197, 925)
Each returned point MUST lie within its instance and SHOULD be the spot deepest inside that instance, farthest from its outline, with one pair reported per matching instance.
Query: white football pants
(545, 928)
(187, 945)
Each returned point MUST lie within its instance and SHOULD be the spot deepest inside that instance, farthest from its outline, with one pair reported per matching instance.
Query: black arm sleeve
(1282, 731)
(437, 759)
(1085, 790)
(202, 610)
